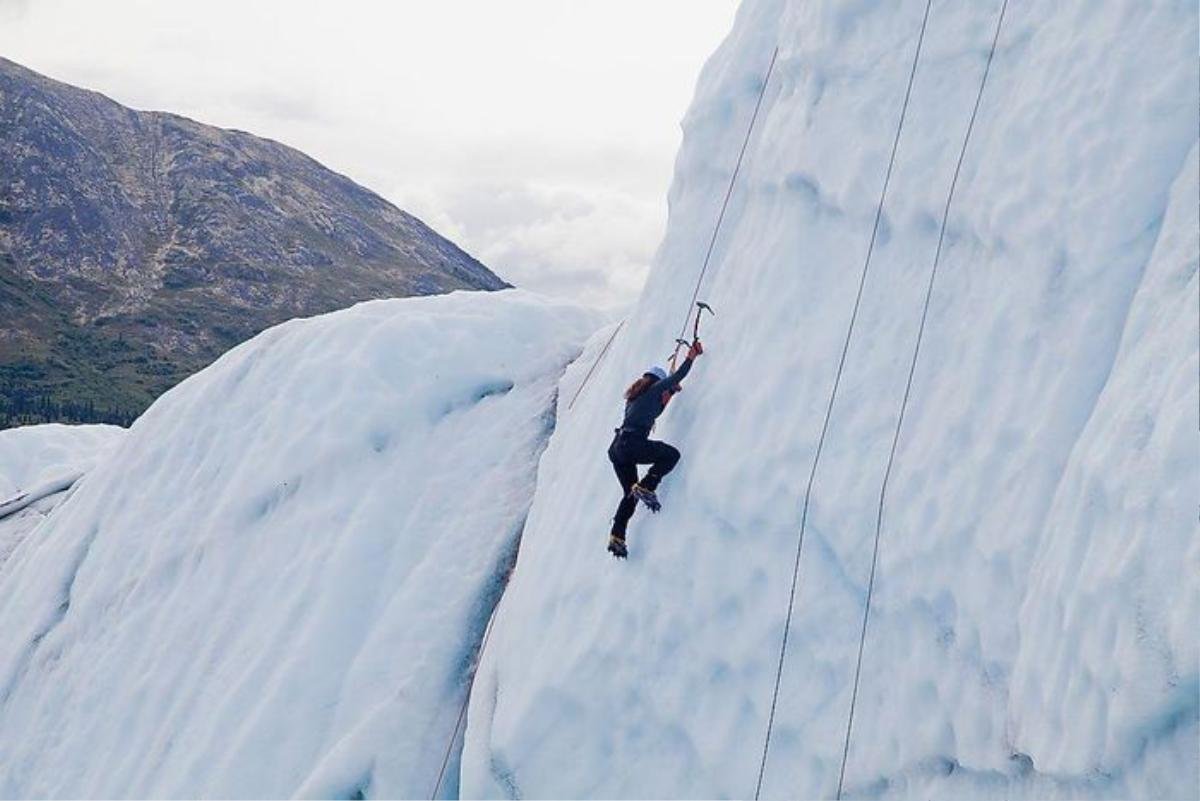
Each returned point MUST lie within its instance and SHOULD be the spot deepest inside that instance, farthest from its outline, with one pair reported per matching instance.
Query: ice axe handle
(701, 307)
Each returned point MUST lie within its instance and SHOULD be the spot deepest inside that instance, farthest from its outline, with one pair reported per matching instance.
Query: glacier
(1033, 623)
(275, 582)
(293, 573)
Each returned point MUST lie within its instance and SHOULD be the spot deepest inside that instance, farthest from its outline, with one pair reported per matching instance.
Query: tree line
(22, 408)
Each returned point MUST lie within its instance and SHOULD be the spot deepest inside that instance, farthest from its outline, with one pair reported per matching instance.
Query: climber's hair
(641, 385)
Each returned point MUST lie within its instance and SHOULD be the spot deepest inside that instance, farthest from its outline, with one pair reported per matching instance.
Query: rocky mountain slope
(135, 247)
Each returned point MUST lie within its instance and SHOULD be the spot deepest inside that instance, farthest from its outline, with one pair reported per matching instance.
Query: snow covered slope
(276, 583)
(32, 455)
(1033, 625)
(37, 463)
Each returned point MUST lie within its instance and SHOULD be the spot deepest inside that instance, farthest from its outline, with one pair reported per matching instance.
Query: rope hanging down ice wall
(595, 364)
(737, 167)
(912, 369)
(708, 255)
(712, 242)
(837, 380)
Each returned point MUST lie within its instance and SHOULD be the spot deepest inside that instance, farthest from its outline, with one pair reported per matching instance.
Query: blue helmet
(657, 372)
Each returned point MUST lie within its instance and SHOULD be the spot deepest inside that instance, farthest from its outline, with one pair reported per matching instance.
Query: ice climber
(645, 400)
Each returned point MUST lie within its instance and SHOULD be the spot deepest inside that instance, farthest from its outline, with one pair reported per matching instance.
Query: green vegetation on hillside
(55, 370)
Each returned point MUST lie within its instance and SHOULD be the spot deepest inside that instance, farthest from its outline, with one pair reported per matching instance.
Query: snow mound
(37, 463)
(276, 585)
(1032, 631)
(32, 455)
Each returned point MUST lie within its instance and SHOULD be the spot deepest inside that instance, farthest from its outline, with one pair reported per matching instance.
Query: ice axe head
(701, 307)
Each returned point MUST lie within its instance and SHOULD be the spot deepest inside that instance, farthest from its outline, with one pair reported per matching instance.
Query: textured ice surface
(31, 455)
(275, 585)
(36, 464)
(1033, 631)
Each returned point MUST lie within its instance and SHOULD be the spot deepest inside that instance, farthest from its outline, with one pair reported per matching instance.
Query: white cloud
(539, 134)
(12, 9)
(593, 243)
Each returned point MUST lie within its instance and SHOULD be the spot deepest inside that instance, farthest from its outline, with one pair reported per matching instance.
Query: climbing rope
(712, 242)
(595, 364)
(707, 257)
(912, 368)
(837, 380)
(462, 712)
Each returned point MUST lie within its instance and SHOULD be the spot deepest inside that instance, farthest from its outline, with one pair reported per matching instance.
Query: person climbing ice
(645, 400)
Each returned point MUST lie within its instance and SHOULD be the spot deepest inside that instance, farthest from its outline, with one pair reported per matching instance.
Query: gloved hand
(695, 350)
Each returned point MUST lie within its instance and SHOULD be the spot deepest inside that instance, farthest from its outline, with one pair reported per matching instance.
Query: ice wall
(1033, 624)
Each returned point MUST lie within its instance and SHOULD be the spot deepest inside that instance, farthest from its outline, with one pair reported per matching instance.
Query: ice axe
(680, 342)
(701, 307)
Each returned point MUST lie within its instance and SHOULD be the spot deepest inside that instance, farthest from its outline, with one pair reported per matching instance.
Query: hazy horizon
(551, 166)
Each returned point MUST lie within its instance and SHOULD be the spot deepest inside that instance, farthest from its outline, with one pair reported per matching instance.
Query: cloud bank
(539, 135)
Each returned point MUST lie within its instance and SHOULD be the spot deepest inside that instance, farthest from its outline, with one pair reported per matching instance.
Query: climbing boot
(646, 496)
(616, 546)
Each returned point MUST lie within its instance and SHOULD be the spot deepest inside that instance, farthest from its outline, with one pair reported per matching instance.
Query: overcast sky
(538, 134)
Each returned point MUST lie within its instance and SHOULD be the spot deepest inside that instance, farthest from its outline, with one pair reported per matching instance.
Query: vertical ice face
(1033, 624)
(276, 584)
(1111, 607)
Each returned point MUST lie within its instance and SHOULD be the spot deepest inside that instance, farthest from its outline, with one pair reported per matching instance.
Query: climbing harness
(837, 380)
(912, 368)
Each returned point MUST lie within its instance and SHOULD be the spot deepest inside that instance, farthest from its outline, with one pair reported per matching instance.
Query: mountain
(965, 499)
(135, 247)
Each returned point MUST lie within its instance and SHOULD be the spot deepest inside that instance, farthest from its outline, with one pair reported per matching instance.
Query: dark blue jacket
(642, 411)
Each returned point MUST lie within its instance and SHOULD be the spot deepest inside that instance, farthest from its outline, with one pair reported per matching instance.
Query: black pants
(626, 453)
